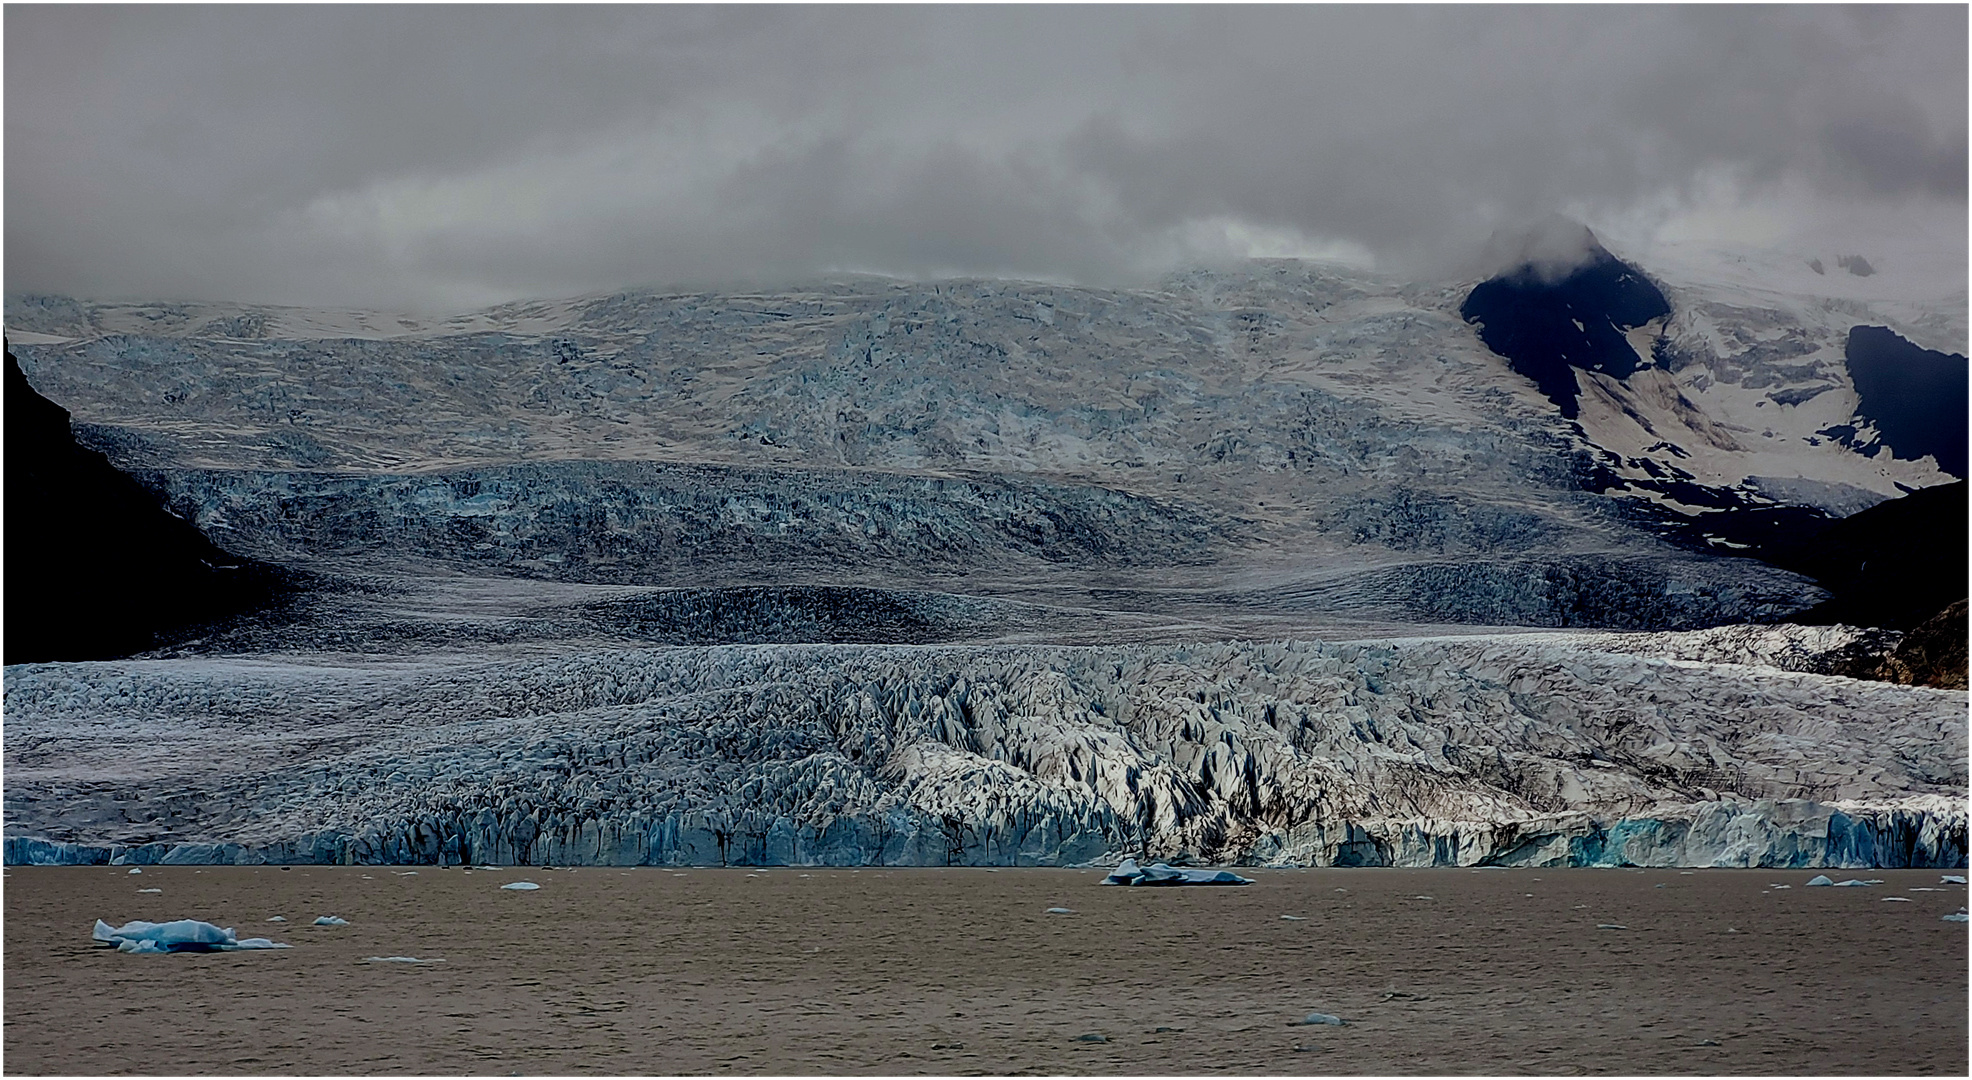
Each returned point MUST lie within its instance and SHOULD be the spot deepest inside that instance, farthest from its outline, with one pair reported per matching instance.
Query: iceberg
(1129, 873)
(331, 920)
(183, 935)
(520, 886)
(1821, 879)
(1951, 879)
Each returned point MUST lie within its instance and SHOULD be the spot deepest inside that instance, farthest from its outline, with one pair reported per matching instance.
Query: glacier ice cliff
(1542, 749)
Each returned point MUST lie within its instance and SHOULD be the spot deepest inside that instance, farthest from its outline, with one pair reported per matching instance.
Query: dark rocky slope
(1547, 326)
(1933, 654)
(1915, 396)
(95, 567)
(1893, 565)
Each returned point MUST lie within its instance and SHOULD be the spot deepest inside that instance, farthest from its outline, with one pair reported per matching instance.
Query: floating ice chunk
(1951, 879)
(1956, 916)
(1295, 918)
(279, 918)
(404, 873)
(331, 920)
(1610, 926)
(1129, 873)
(1896, 900)
(520, 886)
(1060, 911)
(183, 935)
(402, 960)
(1821, 879)
(182, 932)
(1424, 898)
(150, 890)
(1873, 881)
(1323, 1018)
(1852, 883)
(136, 869)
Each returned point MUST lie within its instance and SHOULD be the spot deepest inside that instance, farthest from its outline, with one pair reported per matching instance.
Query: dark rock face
(1547, 327)
(1893, 565)
(1915, 397)
(1932, 654)
(95, 567)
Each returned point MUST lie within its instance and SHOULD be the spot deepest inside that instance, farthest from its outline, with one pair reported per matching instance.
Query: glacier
(1274, 564)
(1532, 750)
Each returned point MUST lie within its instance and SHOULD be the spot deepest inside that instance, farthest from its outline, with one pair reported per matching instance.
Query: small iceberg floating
(1951, 879)
(1129, 873)
(1821, 879)
(184, 935)
(520, 886)
(402, 960)
(331, 920)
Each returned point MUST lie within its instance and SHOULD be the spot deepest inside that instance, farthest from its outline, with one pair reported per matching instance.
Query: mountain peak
(1547, 250)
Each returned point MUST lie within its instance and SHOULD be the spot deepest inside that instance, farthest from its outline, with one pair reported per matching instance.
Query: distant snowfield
(882, 571)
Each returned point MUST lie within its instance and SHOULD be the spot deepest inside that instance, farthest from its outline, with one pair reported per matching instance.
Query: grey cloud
(430, 157)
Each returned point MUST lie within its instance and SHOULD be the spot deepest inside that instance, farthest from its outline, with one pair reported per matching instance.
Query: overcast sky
(444, 157)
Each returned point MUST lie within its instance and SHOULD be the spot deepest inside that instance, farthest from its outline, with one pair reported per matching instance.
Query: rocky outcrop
(1543, 750)
(1931, 654)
